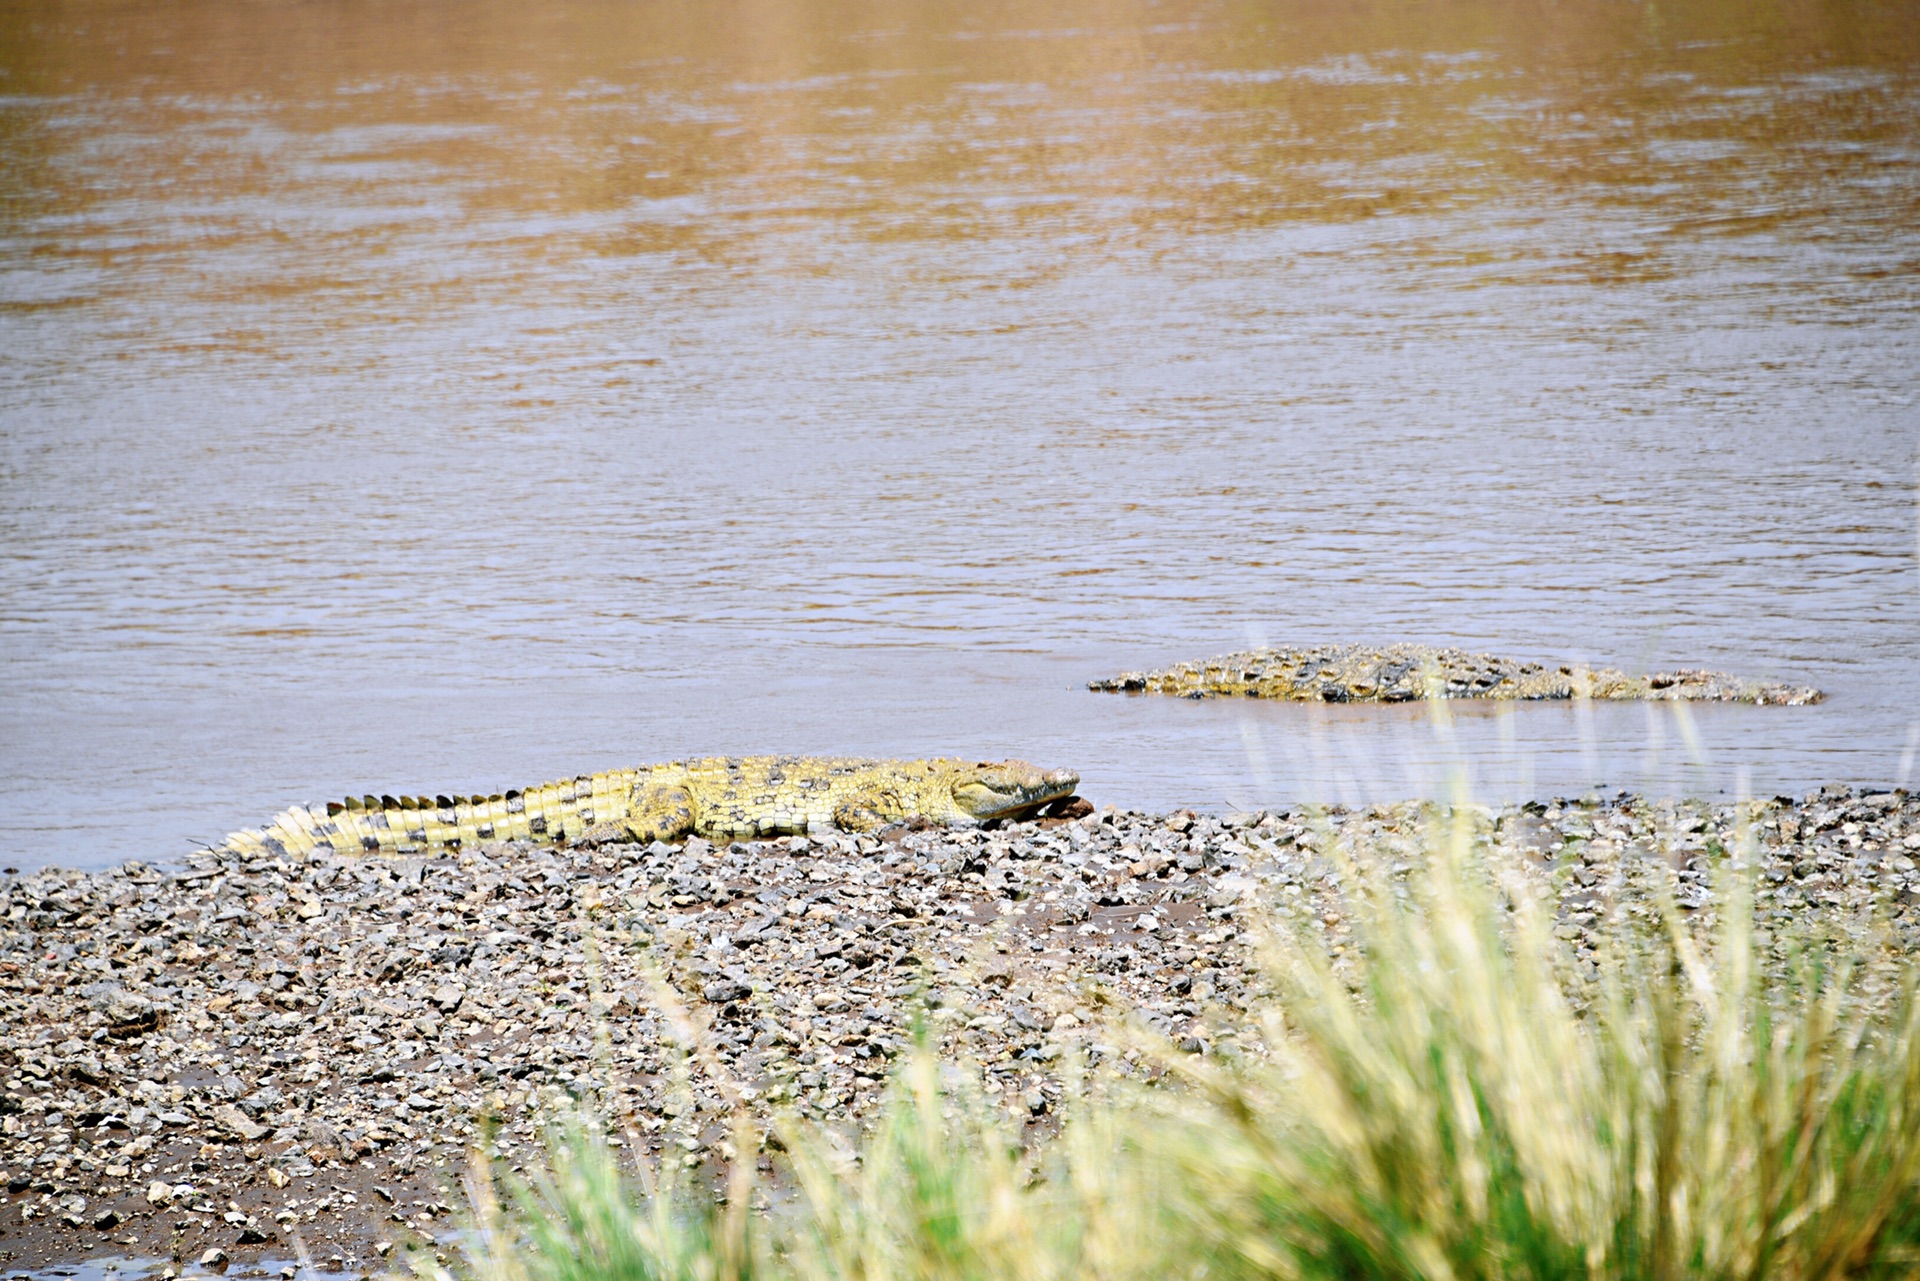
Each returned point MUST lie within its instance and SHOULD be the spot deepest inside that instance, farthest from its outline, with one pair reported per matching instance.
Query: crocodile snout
(1059, 782)
(1037, 784)
(1008, 789)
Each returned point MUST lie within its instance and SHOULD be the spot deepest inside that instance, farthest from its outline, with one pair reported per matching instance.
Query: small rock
(725, 990)
(230, 1118)
(215, 1259)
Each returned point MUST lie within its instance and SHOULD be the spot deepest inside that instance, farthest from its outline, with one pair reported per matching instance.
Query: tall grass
(1451, 1095)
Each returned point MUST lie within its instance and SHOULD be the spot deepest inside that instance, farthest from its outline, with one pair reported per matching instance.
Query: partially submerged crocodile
(1402, 673)
(720, 796)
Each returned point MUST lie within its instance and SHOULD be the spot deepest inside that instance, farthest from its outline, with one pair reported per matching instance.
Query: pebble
(195, 1063)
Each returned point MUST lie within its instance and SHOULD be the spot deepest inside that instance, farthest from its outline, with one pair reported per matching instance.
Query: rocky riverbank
(252, 1057)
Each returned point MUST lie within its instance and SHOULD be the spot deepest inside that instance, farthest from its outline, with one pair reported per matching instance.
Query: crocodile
(1402, 673)
(721, 797)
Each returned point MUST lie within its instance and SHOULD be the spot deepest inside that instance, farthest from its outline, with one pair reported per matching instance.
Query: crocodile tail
(420, 824)
(292, 833)
(550, 812)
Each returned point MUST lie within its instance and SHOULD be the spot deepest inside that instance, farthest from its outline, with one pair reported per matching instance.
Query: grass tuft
(1434, 1086)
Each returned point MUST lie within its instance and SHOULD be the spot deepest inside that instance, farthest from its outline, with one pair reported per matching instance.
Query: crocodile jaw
(1007, 789)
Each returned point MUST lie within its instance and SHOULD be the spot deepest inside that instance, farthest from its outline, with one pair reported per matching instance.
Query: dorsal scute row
(570, 790)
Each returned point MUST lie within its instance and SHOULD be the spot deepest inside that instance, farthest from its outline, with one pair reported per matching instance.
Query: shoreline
(263, 1056)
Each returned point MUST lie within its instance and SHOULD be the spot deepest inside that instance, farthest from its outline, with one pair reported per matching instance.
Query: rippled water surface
(421, 396)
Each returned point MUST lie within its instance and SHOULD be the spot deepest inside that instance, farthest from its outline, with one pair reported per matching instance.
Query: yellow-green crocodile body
(1402, 673)
(721, 797)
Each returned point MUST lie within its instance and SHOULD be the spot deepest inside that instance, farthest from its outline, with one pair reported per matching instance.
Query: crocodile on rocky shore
(720, 797)
(1403, 673)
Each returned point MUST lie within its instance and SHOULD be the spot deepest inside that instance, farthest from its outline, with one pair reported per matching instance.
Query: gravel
(245, 1059)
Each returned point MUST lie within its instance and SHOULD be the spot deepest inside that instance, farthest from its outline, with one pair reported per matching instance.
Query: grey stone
(230, 1118)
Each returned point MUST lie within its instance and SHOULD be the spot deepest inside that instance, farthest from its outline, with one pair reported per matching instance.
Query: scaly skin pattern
(721, 797)
(1402, 673)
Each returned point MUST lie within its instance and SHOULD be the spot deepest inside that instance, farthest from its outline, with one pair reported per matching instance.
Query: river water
(428, 396)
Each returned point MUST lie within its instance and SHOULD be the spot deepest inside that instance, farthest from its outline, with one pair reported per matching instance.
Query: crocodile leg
(655, 815)
(868, 811)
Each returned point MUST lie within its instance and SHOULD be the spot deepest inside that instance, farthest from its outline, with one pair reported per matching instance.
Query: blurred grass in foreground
(1447, 1094)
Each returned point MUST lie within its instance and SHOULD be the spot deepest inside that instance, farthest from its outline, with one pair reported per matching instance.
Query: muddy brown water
(420, 396)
